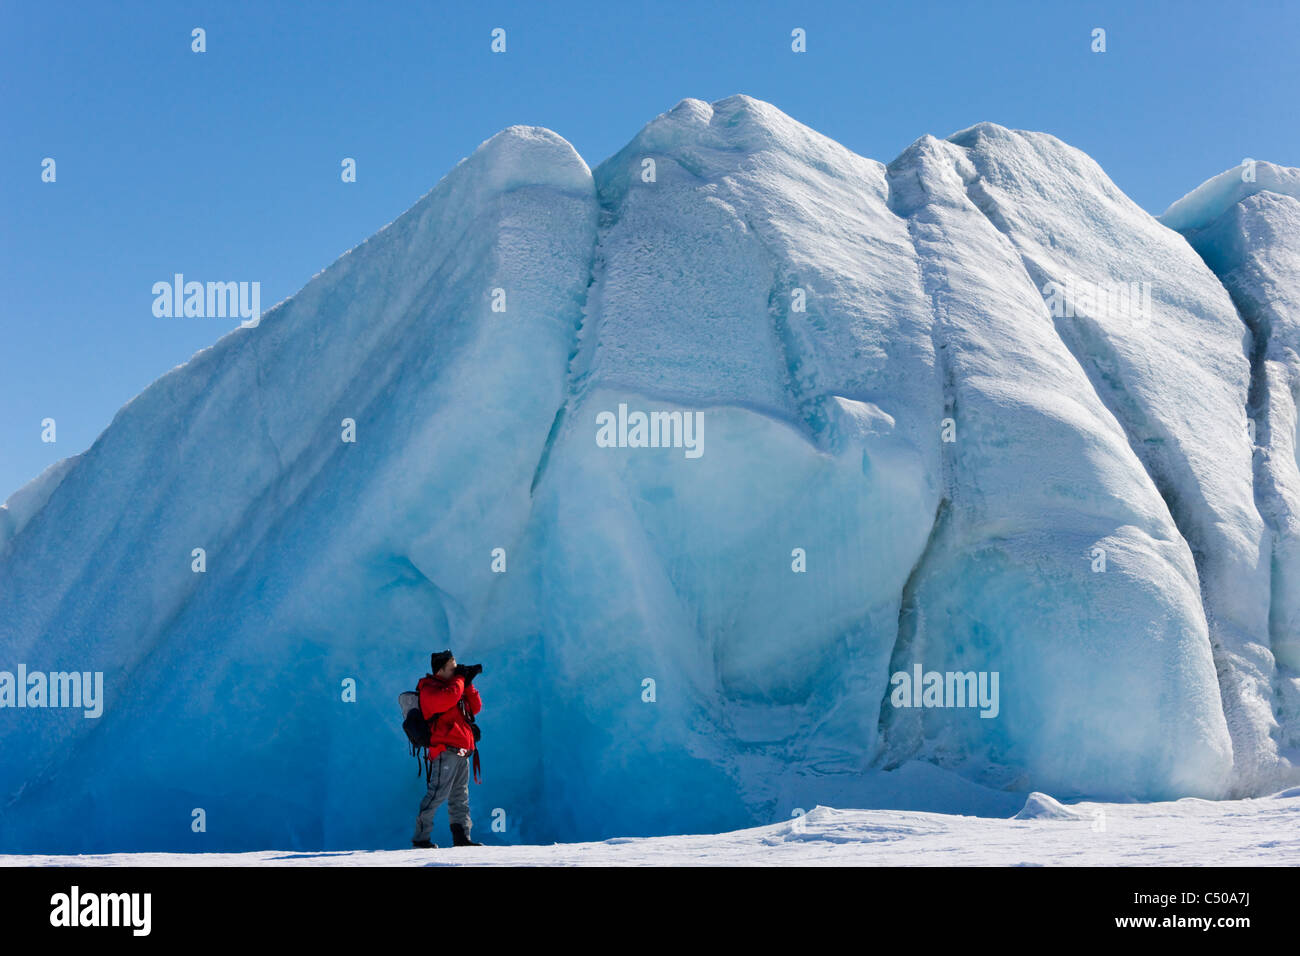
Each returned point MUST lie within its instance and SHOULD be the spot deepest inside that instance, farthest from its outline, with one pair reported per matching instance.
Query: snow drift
(908, 456)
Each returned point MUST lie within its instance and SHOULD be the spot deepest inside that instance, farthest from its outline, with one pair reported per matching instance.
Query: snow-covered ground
(1187, 832)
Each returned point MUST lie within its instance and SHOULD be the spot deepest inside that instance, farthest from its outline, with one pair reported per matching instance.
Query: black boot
(460, 837)
(424, 845)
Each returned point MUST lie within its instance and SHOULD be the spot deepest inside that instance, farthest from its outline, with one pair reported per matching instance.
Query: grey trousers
(449, 781)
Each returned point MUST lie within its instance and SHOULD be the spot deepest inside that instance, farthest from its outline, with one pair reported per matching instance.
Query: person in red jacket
(448, 695)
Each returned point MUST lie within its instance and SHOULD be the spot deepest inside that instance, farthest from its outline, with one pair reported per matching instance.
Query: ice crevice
(900, 734)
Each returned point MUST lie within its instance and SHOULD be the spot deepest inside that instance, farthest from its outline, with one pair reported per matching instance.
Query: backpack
(416, 727)
(419, 731)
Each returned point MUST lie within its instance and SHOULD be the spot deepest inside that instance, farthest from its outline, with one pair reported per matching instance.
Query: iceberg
(867, 444)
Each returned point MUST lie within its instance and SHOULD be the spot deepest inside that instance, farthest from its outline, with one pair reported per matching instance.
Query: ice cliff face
(886, 392)
(1245, 223)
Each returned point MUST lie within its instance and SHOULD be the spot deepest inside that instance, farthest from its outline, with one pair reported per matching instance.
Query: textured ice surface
(653, 663)
(1245, 223)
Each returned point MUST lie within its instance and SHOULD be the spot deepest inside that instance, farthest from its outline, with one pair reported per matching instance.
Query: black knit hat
(438, 661)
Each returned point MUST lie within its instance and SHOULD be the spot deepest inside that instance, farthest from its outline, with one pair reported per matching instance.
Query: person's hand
(469, 672)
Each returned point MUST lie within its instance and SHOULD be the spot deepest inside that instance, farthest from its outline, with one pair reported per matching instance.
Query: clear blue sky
(225, 165)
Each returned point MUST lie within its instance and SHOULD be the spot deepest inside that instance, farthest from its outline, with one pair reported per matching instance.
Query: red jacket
(451, 729)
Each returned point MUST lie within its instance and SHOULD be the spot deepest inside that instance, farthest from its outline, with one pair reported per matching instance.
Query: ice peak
(692, 109)
(982, 130)
(737, 103)
(734, 120)
(998, 138)
(1210, 200)
(525, 156)
(751, 109)
(701, 137)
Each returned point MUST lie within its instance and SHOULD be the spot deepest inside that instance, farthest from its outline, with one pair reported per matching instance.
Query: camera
(468, 671)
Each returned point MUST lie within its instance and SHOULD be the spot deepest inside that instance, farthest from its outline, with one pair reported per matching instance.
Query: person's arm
(473, 702)
(435, 699)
